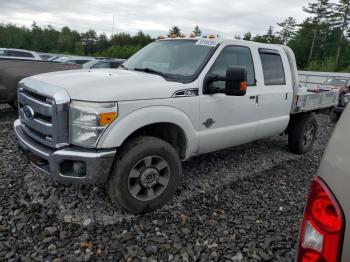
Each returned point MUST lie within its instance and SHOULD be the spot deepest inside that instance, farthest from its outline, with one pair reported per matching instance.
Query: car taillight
(322, 226)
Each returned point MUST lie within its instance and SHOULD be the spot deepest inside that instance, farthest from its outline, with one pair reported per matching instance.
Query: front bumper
(60, 163)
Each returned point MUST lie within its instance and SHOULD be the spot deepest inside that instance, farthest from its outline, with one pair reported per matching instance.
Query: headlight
(88, 121)
(346, 100)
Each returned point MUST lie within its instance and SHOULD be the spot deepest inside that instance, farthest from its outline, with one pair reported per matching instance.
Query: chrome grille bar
(44, 114)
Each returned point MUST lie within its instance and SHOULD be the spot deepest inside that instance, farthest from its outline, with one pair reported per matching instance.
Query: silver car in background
(324, 235)
(18, 54)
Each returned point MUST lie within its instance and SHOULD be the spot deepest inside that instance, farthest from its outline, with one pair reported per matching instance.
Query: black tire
(14, 103)
(334, 117)
(300, 138)
(133, 153)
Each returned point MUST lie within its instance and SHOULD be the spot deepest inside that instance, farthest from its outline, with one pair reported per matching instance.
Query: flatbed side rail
(308, 101)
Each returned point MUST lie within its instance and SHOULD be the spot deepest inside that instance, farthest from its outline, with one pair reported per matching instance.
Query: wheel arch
(158, 121)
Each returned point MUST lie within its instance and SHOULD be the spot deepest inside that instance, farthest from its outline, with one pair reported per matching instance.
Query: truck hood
(102, 85)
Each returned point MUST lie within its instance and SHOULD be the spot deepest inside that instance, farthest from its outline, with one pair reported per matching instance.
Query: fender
(120, 130)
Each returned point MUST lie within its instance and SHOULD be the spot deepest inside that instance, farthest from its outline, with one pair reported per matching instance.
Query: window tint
(19, 54)
(272, 68)
(115, 64)
(78, 62)
(234, 56)
(102, 65)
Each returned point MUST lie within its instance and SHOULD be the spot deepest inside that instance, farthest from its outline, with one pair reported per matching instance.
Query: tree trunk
(344, 26)
(338, 53)
(313, 44)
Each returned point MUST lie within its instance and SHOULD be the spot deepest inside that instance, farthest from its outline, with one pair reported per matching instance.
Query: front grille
(42, 117)
(35, 96)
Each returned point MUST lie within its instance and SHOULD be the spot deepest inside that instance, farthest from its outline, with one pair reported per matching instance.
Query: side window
(102, 65)
(19, 54)
(272, 67)
(115, 64)
(234, 56)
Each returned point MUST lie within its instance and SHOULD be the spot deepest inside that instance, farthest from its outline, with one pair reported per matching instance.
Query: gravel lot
(240, 204)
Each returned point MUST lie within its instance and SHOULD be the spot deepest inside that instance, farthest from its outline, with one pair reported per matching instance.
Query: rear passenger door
(276, 94)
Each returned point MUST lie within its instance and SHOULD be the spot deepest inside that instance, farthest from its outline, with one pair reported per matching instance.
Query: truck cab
(176, 98)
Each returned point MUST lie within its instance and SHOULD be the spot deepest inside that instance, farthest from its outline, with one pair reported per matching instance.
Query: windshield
(172, 58)
(336, 82)
(90, 64)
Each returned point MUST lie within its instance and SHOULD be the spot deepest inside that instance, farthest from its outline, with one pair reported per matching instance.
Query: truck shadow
(7, 113)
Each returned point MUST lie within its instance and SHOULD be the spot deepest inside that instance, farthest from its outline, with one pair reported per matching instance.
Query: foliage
(247, 36)
(67, 41)
(288, 29)
(320, 42)
(197, 31)
(324, 65)
(269, 37)
(174, 31)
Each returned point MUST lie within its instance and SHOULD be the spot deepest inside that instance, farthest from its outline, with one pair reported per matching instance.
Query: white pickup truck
(176, 98)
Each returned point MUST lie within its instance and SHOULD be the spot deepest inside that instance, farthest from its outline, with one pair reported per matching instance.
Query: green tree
(320, 11)
(247, 36)
(89, 40)
(197, 31)
(102, 42)
(288, 29)
(269, 37)
(174, 31)
(67, 40)
(79, 49)
(341, 19)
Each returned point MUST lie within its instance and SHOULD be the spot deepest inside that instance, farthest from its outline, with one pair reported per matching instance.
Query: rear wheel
(302, 133)
(145, 175)
(334, 117)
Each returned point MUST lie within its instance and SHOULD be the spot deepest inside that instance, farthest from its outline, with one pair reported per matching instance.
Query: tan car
(324, 233)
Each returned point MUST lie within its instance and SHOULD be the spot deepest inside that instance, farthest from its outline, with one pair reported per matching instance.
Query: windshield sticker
(206, 42)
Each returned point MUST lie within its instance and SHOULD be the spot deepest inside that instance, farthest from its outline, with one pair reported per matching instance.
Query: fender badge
(209, 123)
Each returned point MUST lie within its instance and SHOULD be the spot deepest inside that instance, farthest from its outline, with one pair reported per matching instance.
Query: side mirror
(236, 81)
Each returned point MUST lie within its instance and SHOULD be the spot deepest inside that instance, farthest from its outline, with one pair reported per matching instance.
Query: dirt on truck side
(13, 71)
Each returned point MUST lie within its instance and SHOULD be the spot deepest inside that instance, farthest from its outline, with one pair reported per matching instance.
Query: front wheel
(14, 103)
(145, 175)
(302, 133)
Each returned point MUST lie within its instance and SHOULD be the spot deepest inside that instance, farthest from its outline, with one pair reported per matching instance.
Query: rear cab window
(272, 66)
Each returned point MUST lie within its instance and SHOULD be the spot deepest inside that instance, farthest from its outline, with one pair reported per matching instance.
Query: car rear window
(19, 54)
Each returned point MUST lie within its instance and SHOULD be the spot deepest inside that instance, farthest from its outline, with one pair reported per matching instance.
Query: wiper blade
(151, 71)
(123, 66)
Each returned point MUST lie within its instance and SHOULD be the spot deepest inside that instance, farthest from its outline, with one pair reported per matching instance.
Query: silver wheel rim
(149, 178)
(309, 135)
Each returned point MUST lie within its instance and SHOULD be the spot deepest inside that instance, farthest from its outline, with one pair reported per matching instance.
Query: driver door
(229, 120)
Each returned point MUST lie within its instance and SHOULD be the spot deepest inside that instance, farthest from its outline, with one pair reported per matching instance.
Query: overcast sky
(224, 17)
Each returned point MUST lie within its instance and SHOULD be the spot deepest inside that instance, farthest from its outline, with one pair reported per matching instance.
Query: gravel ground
(239, 204)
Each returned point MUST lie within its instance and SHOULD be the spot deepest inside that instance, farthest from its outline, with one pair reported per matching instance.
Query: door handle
(252, 97)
